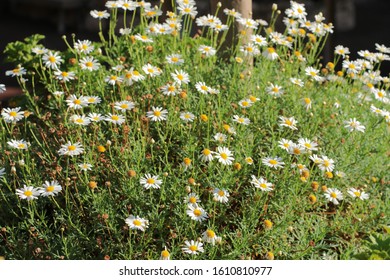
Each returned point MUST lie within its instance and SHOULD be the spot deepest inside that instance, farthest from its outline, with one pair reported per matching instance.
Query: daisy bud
(101, 149)
(149, 48)
(191, 181)
(237, 166)
(219, 4)
(329, 175)
(314, 185)
(13, 169)
(72, 61)
(324, 188)
(188, 189)
(165, 174)
(131, 173)
(312, 198)
(270, 256)
(92, 185)
(268, 224)
(108, 143)
(274, 7)
(290, 229)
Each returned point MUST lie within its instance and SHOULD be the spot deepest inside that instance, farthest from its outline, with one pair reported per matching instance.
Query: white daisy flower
(115, 118)
(12, 115)
(157, 114)
(28, 193)
(224, 155)
(353, 124)
(196, 213)
(355, 193)
(70, 149)
(19, 144)
(221, 195)
(273, 162)
(192, 247)
(333, 195)
(187, 116)
(150, 181)
(124, 105)
(136, 222)
(261, 184)
(50, 188)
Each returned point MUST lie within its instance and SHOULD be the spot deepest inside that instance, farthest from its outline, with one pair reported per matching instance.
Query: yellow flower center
(52, 59)
(180, 77)
(193, 248)
(71, 148)
(272, 161)
(271, 50)
(124, 106)
(187, 161)
(192, 199)
(357, 193)
(297, 151)
(245, 103)
(263, 185)
(77, 101)
(13, 114)
(224, 156)
(21, 146)
(197, 212)
(288, 122)
(150, 181)
(50, 189)
(333, 195)
(326, 163)
(137, 223)
(28, 193)
(114, 117)
(221, 193)
(165, 254)
(210, 233)
(89, 64)
(174, 59)
(157, 113)
(64, 74)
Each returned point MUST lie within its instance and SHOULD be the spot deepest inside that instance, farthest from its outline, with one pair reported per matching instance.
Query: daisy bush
(155, 143)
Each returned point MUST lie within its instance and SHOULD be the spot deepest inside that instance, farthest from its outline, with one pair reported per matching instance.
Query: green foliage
(377, 247)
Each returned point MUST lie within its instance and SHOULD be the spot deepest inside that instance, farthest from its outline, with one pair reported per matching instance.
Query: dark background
(358, 26)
